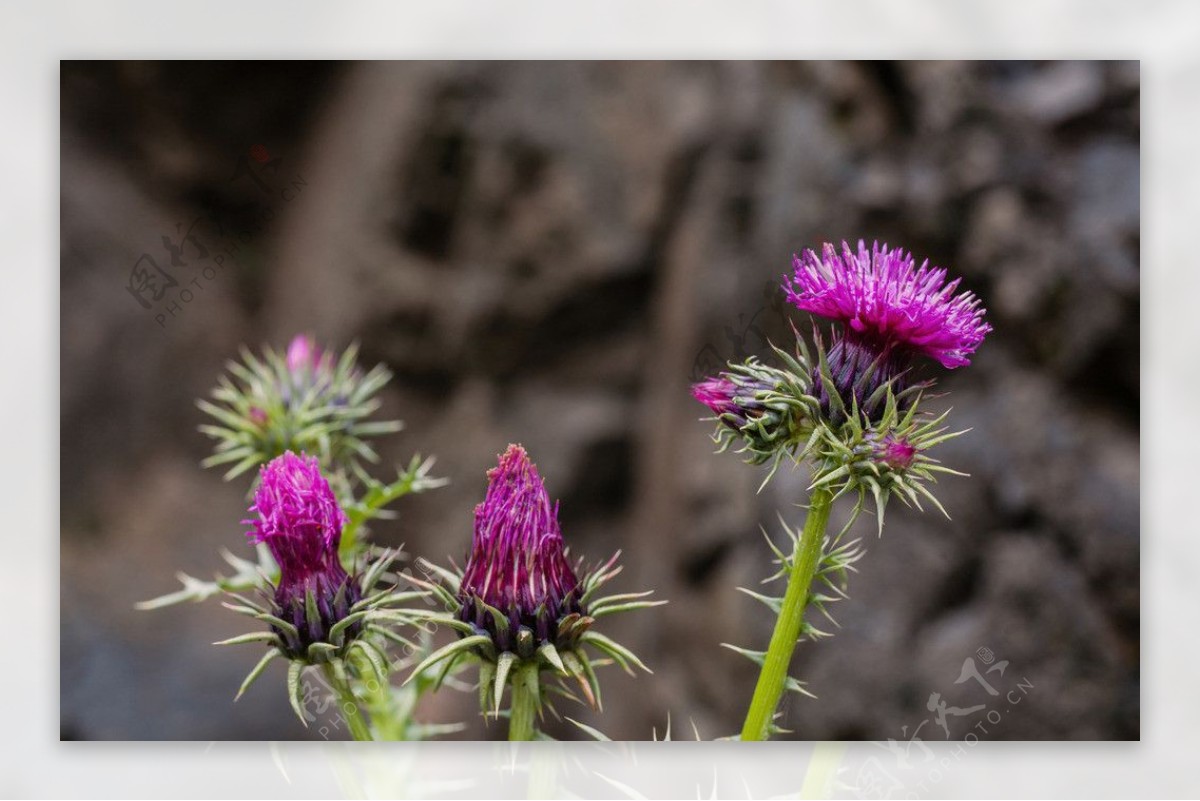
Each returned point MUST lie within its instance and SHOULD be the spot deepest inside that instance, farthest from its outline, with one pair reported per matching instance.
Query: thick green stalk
(524, 703)
(774, 674)
(387, 714)
(347, 706)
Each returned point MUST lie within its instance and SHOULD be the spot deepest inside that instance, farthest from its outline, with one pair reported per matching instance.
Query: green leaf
(446, 651)
(548, 652)
(617, 651)
(321, 652)
(588, 730)
(254, 636)
(376, 658)
(256, 671)
(503, 665)
(293, 687)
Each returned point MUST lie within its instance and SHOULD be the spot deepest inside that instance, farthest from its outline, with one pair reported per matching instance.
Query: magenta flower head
(520, 608)
(518, 564)
(890, 311)
(299, 520)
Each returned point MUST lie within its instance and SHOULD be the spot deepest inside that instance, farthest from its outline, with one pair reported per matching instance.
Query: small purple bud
(717, 394)
(258, 416)
(896, 453)
(733, 404)
(302, 354)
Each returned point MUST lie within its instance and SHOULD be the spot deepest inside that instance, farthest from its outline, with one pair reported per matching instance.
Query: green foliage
(263, 408)
(556, 671)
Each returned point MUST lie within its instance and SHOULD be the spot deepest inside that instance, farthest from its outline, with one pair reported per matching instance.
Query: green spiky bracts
(307, 400)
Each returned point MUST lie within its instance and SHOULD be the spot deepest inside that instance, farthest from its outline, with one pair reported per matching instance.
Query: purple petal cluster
(518, 563)
(302, 353)
(884, 299)
(299, 520)
(734, 405)
(894, 452)
(717, 393)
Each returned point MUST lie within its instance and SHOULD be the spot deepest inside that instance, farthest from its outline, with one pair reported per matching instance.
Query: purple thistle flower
(300, 521)
(518, 564)
(890, 309)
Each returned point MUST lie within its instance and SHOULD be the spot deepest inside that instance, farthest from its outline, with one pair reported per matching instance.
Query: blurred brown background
(548, 253)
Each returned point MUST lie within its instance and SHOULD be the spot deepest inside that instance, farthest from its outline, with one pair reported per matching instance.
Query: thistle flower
(306, 400)
(520, 607)
(890, 311)
(318, 613)
(300, 521)
(518, 562)
(771, 411)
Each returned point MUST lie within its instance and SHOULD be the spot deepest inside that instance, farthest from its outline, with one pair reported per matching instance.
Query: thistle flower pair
(519, 606)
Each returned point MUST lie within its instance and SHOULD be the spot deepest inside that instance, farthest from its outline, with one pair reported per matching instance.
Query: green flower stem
(348, 706)
(773, 678)
(524, 703)
(388, 716)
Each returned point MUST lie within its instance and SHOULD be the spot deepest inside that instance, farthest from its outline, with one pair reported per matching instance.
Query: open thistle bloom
(890, 311)
(307, 399)
(519, 605)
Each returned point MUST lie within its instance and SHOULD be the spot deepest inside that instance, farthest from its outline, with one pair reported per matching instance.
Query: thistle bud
(519, 605)
(302, 354)
(769, 410)
(896, 453)
(300, 522)
(307, 399)
(518, 564)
